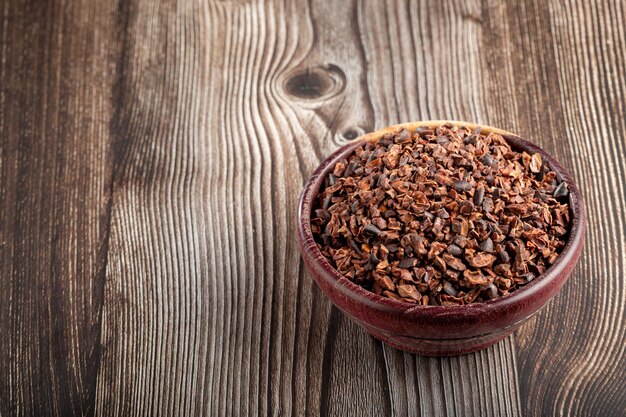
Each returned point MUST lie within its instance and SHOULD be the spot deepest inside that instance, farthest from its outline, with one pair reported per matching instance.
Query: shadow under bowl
(438, 330)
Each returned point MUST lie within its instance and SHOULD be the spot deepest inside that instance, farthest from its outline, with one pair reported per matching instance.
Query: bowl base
(440, 347)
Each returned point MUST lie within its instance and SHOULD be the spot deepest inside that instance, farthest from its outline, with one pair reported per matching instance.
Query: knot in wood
(352, 133)
(315, 83)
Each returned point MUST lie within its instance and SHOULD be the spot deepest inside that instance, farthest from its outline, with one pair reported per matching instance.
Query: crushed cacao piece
(455, 250)
(409, 291)
(486, 245)
(561, 190)
(482, 260)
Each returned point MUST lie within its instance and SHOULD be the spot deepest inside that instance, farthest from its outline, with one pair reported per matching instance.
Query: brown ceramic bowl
(438, 330)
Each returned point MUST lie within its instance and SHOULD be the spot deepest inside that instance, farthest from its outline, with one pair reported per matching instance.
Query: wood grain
(56, 77)
(151, 157)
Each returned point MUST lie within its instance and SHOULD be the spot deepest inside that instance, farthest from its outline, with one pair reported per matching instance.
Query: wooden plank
(158, 305)
(572, 357)
(56, 76)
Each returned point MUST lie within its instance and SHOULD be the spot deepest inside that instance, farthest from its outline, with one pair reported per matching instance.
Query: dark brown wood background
(151, 157)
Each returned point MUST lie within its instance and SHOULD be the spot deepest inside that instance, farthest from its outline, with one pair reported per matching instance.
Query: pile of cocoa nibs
(443, 216)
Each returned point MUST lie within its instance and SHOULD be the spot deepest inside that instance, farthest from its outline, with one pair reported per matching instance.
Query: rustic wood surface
(151, 157)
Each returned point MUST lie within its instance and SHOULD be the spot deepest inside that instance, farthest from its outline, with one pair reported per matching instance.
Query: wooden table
(151, 158)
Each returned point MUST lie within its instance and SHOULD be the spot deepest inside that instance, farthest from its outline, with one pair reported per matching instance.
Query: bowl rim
(311, 253)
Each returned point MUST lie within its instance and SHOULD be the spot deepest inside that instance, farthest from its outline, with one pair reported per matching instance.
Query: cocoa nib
(482, 260)
(443, 216)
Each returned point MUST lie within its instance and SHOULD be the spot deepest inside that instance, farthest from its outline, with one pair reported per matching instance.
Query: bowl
(438, 330)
